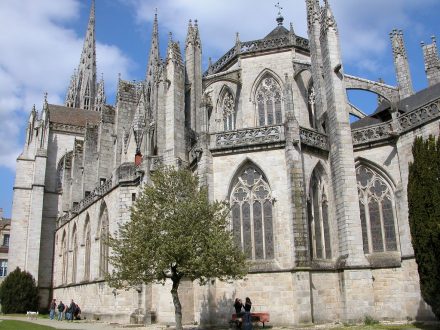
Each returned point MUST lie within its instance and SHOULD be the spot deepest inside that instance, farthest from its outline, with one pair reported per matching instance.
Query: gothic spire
(327, 18)
(100, 98)
(154, 57)
(313, 11)
(81, 92)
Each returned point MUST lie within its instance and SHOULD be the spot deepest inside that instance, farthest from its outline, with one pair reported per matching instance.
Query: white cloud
(39, 54)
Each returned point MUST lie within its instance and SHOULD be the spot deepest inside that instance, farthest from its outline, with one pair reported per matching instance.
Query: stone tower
(401, 64)
(82, 89)
(432, 62)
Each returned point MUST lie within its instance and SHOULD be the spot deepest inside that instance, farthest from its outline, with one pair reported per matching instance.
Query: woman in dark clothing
(238, 305)
(247, 305)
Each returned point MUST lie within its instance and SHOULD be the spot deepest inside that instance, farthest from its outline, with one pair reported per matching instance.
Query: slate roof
(72, 116)
(279, 31)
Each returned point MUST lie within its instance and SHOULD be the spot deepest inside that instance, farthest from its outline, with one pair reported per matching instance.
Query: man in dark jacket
(61, 308)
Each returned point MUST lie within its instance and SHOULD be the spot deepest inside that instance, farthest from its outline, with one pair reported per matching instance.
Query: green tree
(175, 233)
(18, 293)
(424, 216)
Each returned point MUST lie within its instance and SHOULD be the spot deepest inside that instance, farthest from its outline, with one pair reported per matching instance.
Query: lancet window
(75, 254)
(103, 247)
(65, 258)
(228, 111)
(88, 246)
(252, 214)
(318, 216)
(376, 203)
(268, 99)
(311, 106)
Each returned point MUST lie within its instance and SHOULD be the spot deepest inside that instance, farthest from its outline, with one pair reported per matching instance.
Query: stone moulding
(373, 133)
(247, 137)
(403, 124)
(313, 138)
(253, 46)
(419, 116)
(67, 128)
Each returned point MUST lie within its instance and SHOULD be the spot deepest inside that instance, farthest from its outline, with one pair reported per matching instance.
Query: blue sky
(41, 42)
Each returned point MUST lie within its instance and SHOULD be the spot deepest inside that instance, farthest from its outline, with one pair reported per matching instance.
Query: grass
(20, 325)
(416, 325)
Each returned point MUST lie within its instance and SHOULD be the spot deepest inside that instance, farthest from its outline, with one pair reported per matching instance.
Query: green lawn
(21, 325)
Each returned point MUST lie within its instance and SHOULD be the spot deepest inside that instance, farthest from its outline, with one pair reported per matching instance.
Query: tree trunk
(177, 306)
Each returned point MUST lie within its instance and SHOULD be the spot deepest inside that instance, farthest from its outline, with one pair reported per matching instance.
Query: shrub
(424, 216)
(18, 293)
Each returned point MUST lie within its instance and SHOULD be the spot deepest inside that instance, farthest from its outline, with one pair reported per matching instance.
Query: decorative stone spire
(100, 98)
(401, 64)
(313, 12)
(327, 19)
(81, 92)
(193, 36)
(432, 62)
(154, 57)
(139, 121)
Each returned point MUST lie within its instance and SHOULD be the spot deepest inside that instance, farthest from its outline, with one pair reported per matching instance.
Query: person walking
(71, 310)
(52, 307)
(61, 308)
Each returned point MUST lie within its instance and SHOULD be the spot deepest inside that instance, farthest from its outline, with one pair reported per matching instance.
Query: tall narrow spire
(81, 92)
(154, 57)
(432, 62)
(401, 64)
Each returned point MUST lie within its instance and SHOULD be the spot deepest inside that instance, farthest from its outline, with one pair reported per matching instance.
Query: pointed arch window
(318, 216)
(75, 254)
(103, 247)
(268, 99)
(252, 218)
(88, 249)
(311, 105)
(228, 111)
(376, 204)
(65, 258)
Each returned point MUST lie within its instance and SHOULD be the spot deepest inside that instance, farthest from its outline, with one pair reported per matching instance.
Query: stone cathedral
(318, 205)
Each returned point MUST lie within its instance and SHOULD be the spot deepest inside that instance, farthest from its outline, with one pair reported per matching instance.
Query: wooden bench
(262, 317)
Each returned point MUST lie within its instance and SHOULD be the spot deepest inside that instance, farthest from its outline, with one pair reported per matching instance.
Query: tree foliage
(175, 233)
(18, 293)
(424, 216)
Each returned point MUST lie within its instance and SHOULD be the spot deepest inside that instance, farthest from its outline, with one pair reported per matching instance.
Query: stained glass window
(268, 99)
(377, 211)
(252, 221)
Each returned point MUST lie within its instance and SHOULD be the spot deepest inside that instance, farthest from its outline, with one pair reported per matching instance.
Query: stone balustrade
(313, 138)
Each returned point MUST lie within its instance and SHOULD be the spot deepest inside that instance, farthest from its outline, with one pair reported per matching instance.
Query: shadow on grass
(21, 325)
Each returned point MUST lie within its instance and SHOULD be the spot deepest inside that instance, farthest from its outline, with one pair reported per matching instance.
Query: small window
(6, 240)
(87, 193)
(133, 197)
(102, 181)
(3, 267)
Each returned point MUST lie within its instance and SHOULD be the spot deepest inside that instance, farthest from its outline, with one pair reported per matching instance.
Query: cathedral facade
(318, 205)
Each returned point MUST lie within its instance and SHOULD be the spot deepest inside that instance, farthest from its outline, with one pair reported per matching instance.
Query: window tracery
(376, 204)
(228, 108)
(252, 219)
(268, 99)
